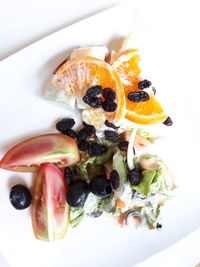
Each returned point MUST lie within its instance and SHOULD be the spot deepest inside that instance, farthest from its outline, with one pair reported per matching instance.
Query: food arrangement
(104, 167)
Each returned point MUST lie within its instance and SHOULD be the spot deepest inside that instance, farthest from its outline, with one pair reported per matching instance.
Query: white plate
(23, 113)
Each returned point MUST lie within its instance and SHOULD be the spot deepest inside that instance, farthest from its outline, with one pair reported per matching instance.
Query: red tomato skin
(50, 211)
(28, 155)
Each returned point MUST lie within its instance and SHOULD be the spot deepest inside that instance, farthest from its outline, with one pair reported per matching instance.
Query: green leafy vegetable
(96, 160)
(120, 166)
(149, 183)
(152, 214)
(91, 204)
(166, 178)
(75, 216)
(108, 204)
(156, 176)
(143, 133)
(106, 142)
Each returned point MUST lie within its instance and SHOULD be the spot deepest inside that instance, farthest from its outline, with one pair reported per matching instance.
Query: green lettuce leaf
(108, 204)
(151, 213)
(166, 178)
(150, 183)
(92, 204)
(120, 166)
(94, 161)
(155, 179)
(75, 216)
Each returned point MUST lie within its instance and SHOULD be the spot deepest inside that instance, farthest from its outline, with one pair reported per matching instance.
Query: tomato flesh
(50, 211)
(28, 155)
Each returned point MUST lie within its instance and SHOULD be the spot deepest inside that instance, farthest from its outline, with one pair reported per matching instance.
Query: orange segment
(78, 74)
(94, 116)
(126, 66)
(148, 112)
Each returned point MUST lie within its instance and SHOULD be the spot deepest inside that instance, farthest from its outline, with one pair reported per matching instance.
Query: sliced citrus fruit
(94, 116)
(78, 74)
(126, 66)
(148, 112)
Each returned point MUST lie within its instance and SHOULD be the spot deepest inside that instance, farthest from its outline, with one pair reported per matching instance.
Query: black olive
(20, 197)
(100, 186)
(102, 170)
(77, 193)
(135, 176)
(65, 124)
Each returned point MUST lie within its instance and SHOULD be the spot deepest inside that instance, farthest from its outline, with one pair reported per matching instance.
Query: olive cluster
(99, 185)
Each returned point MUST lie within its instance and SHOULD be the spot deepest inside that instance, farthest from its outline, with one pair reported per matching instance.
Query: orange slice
(148, 112)
(126, 66)
(78, 74)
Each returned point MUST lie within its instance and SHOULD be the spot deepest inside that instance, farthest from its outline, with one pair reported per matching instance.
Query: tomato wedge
(28, 155)
(50, 211)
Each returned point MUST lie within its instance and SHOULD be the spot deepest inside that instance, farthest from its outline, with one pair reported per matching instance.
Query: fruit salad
(104, 167)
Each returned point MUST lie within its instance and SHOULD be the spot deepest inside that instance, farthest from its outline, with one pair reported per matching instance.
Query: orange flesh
(148, 112)
(78, 74)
